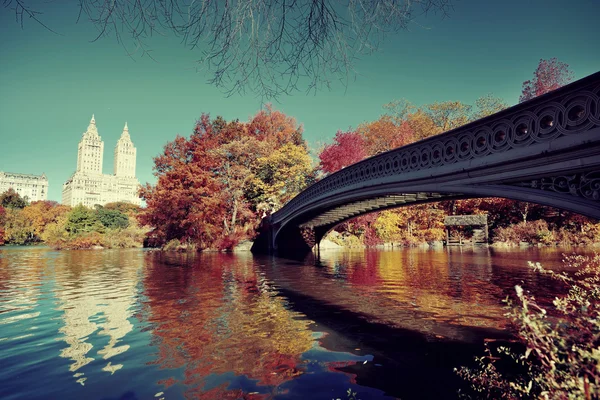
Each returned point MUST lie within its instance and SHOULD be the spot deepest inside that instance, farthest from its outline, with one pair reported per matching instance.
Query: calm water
(135, 324)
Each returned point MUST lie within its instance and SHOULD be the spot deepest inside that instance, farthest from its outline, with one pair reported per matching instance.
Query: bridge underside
(344, 212)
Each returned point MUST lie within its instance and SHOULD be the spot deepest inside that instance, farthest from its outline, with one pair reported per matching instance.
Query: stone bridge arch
(545, 151)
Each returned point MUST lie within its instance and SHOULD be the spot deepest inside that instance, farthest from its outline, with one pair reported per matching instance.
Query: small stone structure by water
(480, 236)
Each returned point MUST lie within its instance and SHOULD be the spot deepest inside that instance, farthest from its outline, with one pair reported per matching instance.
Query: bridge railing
(566, 111)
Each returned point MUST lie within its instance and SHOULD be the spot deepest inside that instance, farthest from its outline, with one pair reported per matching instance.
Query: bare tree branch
(268, 47)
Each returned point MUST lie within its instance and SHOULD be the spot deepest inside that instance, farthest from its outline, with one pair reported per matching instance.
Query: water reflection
(96, 293)
(220, 319)
(138, 324)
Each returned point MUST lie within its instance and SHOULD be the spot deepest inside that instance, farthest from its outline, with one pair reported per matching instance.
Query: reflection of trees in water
(219, 315)
(96, 291)
(434, 292)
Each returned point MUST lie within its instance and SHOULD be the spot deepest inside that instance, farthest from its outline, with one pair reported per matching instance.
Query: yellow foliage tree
(281, 175)
(42, 213)
(387, 226)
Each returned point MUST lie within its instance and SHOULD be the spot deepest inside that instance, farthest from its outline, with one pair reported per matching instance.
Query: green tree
(12, 199)
(112, 219)
(82, 219)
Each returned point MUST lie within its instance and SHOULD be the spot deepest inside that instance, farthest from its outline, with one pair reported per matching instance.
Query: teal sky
(50, 84)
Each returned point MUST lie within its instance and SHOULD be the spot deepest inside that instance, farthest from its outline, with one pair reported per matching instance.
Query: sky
(51, 84)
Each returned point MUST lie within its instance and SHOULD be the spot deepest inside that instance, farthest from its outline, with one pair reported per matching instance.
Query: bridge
(545, 151)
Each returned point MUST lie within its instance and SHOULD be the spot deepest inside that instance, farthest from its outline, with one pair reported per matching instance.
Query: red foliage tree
(185, 204)
(549, 75)
(205, 191)
(348, 148)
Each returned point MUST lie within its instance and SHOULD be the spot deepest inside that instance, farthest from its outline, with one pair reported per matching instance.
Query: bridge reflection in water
(545, 151)
(125, 324)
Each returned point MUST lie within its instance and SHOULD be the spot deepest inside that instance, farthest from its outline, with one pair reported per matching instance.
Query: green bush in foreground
(561, 356)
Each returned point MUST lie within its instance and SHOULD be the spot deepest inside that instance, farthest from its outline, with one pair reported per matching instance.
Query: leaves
(211, 186)
(549, 75)
(347, 149)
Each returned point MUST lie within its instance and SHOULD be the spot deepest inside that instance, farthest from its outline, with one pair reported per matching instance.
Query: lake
(140, 324)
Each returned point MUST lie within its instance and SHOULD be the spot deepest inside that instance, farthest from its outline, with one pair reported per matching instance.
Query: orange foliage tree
(212, 185)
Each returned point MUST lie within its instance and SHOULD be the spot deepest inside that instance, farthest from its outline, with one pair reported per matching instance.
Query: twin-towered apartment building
(87, 185)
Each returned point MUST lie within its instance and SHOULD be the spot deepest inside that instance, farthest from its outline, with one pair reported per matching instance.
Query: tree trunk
(234, 215)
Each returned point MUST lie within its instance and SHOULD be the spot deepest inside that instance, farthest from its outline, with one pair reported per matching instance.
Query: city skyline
(51, 84)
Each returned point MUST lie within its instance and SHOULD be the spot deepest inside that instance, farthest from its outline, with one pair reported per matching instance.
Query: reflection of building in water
(96, 292)
(19, 295)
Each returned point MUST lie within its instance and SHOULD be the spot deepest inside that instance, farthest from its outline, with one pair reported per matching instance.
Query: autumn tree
(238, 162)
(449, 115)
(211, 186)
(281, 175)
(18, 229)
(347, 148)
(42, 213)
(487, 105)
(549, 75)
(385, 134)
(2, 221)
(185, 202)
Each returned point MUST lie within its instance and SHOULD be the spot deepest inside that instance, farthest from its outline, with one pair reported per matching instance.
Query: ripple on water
(139, 324)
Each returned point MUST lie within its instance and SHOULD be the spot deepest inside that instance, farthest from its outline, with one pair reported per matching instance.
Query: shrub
(561, 346)
(227, 243)
(586, 234)
(171, 245)
(85, 241)
(533, 232)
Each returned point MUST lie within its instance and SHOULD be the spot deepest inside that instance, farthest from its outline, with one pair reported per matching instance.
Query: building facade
(34, 187)
(88, 185)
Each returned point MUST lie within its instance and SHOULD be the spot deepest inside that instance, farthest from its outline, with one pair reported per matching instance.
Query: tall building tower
(89, 186)
(125, 155)
(90, 151)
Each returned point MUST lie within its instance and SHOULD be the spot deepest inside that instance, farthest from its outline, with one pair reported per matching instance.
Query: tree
(12, 199)
(488, 105)
(549, 75)
(237, 165)
(387, 226)
(281, 175)
(112, 219)
(124, 207)
(347, 148)
(422, 125)
(19, 230)
(385, 134)
(212, 184)
(42, 213)
(82, 220)
(2, 221)
(268, 46)
(449, 115)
